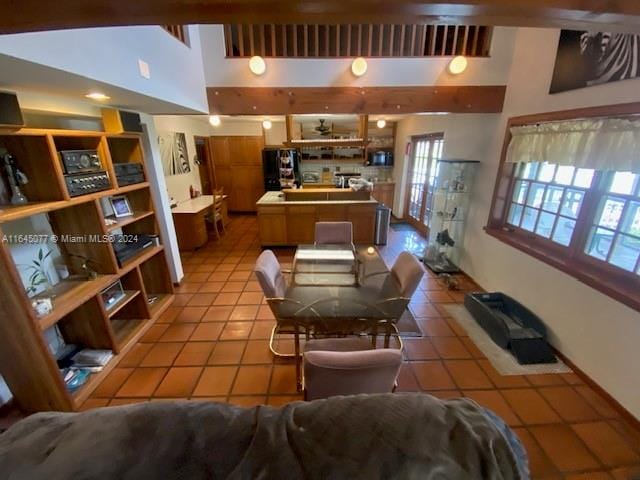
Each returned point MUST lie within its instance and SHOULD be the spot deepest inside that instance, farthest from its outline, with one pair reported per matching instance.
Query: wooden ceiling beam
(361, 100)
(34, 15)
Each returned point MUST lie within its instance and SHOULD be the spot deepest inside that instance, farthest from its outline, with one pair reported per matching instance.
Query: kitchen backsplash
(382, 174)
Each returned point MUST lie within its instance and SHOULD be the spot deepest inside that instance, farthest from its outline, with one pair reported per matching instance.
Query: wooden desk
(189, 221)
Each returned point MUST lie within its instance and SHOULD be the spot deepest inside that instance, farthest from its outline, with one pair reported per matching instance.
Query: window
(584, 221)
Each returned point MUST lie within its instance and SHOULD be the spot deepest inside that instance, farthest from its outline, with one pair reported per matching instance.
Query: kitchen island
(290, 221)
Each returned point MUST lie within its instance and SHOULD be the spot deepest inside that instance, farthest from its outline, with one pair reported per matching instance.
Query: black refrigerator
(272, 165)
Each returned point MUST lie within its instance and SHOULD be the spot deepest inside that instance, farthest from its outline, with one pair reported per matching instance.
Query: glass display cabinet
(447, 204)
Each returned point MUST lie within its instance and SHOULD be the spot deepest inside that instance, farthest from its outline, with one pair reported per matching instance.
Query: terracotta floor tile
(178, 382)
(244, 312)
(190, 315)
(279, 400)
(626, 473)
(420, 349)
(252, 379)
(233, 287)
(217, 313)
(495, 402)
(252, 286)
(169, 315)
(546, 380)
(225, 267)
(599, 475)
(571, 406)
(219, 277)
(611, 448)
(407, 381)
(502, 381)
(161, 355)
(264, 313)
(539, 464)
(257, 351)
(211, 287)
(432, 376)
(530, 406)
(424, 310)
(236, 330)
(240, 276)
(215, 381)
(135, 355)
(188, 287)
(467, 374)
(154, 333)
(564, 448)
(202, 299)
(450, 348)
(472, 348)
(446, 394)
(207, 332)
(196, 277)
(572, 379)
(438, 296)
(205, 267)
(250, 298)
(261, 330)
(227, 353)
(181, 299)
(436, 327)
(116, 402)
(597, 402)
(91, 403)
(226, 299)
(179, 332)
(142, 382)
(457, 329)
(247, 400)
(112, 382)
(194, 354)
(283, 379)
(627, 431)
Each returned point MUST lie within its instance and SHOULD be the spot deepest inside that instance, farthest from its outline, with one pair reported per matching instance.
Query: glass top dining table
(341, 282)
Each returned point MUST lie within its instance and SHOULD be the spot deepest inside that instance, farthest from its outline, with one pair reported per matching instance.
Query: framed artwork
(173, 152)
(593, 58)
(121, 207)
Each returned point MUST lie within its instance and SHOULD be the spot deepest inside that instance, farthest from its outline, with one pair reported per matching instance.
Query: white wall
(299, 72)
(600, 335)
(110, 55)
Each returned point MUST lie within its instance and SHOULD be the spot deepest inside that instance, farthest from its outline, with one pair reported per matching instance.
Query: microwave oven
(380, 158)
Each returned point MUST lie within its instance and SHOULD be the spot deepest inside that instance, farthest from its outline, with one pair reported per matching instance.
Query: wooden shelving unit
(79, 312)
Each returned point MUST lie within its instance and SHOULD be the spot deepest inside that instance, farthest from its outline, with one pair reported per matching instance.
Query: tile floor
(212, 344)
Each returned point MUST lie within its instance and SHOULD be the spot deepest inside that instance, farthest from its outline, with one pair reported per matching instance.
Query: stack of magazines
(91, 360)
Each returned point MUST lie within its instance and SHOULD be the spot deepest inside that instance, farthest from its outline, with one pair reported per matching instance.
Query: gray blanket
(412, 436)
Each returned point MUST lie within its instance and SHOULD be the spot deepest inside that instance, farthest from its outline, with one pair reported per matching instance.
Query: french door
(425, 151)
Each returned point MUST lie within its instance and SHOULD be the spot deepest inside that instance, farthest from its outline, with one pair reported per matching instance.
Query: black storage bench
(511, 326)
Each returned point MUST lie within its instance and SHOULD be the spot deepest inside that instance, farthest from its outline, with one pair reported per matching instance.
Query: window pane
(552, 199)
(572, 203)
(584, 177)
(600, 243)
(625, 252)
(520, 191)
(564, 175)
(515, 214)
(529, 171)
(546, 172)
(564, 231)
(631, 223)
(536, 193)
(529, 218)
(611, 211)
(624, 183)
(545, 224)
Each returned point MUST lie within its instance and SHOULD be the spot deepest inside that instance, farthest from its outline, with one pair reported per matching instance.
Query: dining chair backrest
(334, 233)
(348, 366)
(218, 200)
(269, 275)
(408, 272)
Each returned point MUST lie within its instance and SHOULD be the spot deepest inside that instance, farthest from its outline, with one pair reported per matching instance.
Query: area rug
(501, 359)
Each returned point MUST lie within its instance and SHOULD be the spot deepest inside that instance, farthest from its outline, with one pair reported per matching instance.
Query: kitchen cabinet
(384, 193)
(272, 224)
(363, 218)
(301, 224)
(237, 164)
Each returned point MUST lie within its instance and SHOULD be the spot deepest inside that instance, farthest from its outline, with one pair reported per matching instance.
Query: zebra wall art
(173, 152)
(592, 58)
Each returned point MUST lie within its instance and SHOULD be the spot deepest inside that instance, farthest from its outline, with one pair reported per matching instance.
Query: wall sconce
(214, 120)
(359, 66)
(257, 65)
(381, 123)
(458, 65)
(266, 124)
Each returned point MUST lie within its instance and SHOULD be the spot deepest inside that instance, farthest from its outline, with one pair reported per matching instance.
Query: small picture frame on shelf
(112, 295)
(121, 207)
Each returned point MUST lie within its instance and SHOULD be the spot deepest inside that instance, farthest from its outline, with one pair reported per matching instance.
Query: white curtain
(601, 144)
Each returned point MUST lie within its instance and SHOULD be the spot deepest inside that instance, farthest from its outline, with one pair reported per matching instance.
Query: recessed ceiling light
(214, 120)
(101, 97)
(257, 65)
(458, 65)
(381, 123)
(359, 66)
(267, 124)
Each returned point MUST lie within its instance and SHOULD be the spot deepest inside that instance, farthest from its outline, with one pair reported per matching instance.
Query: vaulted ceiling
(33, 15)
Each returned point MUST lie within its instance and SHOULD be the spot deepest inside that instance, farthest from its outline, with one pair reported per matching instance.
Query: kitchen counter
(291, 223)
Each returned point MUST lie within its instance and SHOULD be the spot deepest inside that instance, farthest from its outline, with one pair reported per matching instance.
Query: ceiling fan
(322, 128)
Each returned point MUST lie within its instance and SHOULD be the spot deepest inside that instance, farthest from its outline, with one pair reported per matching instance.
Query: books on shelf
(91, 359)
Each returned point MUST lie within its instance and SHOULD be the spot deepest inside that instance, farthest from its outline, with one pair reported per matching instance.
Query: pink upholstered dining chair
(269, 275)
(348, 366)
(408, 272)
(334, 233)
